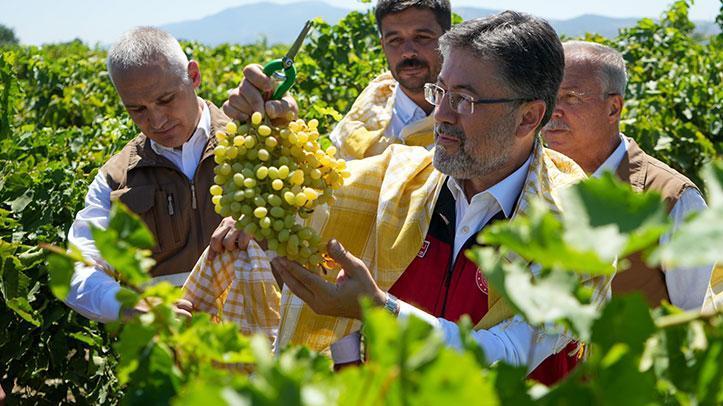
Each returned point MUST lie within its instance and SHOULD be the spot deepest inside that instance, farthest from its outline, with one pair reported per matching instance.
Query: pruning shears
(283, 69)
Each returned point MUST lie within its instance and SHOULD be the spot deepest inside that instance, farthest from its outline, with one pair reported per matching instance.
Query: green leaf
(124, 245)
(129, 227)
(606, 216)
(134, 337)
(127, 298)
(60, 270)
(21, 202)
(84, 338)
(629, 314)
(23, 309)
(537, 237)
(699, 240)
(328, 111)
(544, 299)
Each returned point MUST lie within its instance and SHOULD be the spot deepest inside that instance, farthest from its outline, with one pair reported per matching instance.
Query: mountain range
(281, 23)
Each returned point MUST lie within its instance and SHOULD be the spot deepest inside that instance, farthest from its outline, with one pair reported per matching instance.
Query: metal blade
(299, 40)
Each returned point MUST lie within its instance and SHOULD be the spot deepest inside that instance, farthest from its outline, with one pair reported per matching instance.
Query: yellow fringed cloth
(360, 133)
(381, 216)
(716, 285)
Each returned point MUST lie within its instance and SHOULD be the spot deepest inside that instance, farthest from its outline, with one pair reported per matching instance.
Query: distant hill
(281, 23)
(277, 23)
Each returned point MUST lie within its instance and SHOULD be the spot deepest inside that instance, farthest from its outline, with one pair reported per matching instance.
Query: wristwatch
(392, 304)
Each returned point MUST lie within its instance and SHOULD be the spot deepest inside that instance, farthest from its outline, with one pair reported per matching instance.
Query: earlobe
(532, 115)
(616, 107)
(194, 73)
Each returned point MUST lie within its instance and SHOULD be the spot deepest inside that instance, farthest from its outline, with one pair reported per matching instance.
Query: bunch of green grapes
(268, 176)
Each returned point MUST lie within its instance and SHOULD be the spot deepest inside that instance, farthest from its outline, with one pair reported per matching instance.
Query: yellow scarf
(360, 133)
(381, 216)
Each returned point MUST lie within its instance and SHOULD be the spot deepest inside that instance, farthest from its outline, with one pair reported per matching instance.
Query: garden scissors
(283, 69)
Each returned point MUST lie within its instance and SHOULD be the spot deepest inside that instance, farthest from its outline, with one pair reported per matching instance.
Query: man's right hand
(227, 237)
(253, 95)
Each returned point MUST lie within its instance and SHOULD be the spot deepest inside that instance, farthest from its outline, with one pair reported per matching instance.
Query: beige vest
(643, 172)
(177, 211)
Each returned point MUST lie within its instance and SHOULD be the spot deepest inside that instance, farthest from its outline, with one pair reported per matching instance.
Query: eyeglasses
(573, 98)
(460, 103)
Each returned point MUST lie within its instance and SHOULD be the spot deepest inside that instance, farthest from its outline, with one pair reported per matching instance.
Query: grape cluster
(266, 176)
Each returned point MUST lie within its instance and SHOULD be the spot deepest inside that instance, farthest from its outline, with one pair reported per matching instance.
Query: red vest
(448, 288)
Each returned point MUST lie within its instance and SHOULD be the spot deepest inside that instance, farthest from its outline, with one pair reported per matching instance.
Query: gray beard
(464, 166)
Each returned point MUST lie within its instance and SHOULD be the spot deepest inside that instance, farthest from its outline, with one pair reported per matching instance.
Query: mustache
(449, 131)
(553, 125)
(412, 63)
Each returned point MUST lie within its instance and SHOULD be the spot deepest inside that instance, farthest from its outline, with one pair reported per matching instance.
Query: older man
(163, 175)
(585, 127)
(405, 216)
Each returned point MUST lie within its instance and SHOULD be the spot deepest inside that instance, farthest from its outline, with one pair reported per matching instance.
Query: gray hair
(608, 61)
(526, 49)
(147, 46)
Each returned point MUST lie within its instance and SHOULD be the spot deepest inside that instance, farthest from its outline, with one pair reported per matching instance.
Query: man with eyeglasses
(402, 222)
(585, 127)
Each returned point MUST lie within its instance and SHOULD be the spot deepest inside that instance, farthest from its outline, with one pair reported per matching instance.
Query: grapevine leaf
(60, 270)
(606, 216)
(124, 245)
(537, 237)
(542, 299)
(630, 314)
(699, 240)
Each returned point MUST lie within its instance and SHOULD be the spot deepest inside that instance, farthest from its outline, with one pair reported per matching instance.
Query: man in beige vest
(163, 175)
(585, 127)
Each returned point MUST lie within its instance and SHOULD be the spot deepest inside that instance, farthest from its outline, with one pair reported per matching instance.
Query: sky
(102, 21)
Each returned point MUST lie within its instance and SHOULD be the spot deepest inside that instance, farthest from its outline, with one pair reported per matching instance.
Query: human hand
(227, 237)
(253, 95)
(340, 299)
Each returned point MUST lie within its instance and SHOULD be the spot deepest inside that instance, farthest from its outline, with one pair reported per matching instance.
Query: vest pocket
(172, 220)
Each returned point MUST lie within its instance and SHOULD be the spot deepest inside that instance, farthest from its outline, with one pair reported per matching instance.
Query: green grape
(283, 235)
(260, 212)
(216, 190)
(301, 176)
(278, 225)
(274, 200)
(277, 212)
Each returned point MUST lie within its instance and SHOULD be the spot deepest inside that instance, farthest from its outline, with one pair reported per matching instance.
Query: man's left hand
(340, 299)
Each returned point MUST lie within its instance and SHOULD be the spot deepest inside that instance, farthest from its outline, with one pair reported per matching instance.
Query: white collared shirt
(404, 112)
(513, 341)
(92, 292)
(687, 287)
(472, 215)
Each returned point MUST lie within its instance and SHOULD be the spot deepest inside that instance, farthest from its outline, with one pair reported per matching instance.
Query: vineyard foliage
(60, 119)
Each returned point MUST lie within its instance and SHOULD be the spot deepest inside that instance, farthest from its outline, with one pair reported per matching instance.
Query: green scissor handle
(274, 68)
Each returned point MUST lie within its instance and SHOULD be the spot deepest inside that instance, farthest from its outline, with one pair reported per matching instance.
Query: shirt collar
(614, 160)
(202, 132)
(405, 108)
(505, 192)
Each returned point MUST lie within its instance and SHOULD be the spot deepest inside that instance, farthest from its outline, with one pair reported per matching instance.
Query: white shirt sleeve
(92, 291)
(687, 287)
(513, 341)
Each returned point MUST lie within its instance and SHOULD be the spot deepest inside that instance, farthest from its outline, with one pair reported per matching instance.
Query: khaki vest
(177, 211)
(643, 172)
